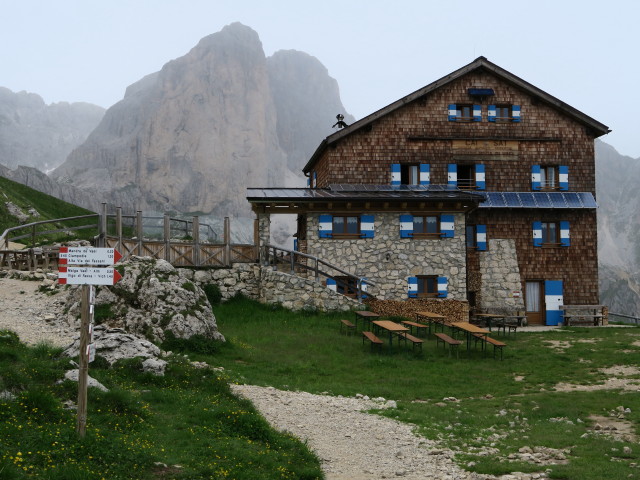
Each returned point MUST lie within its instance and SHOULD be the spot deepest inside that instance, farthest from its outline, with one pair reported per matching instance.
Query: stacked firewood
(453, 310)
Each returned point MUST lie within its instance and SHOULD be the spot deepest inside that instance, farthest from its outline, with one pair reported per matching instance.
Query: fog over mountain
(39, 135)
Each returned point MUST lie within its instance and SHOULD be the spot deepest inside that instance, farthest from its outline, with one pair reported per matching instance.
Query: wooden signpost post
(86, 273)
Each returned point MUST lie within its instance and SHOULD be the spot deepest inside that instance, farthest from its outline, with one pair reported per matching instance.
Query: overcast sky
(584, 52)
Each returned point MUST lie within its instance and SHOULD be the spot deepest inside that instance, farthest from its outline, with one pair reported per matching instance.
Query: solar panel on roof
(587, 200)
(573, 201)
(557, 200)
(511, 199)
(542, 199)
(527, 200)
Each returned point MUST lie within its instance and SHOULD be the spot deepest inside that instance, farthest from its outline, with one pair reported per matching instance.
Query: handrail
(210, 229)
(4, 237)
(636, 319)
(361, 282)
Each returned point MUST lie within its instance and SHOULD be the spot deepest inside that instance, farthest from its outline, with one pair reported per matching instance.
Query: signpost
(89, 270)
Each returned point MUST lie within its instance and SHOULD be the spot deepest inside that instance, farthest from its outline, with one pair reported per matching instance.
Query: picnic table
(391, 327)
(365, 316)
(470, 329)
(430, 318)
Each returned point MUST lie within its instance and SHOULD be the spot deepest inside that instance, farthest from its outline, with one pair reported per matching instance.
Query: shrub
(212, 291)
(195, 344)
(189, 286)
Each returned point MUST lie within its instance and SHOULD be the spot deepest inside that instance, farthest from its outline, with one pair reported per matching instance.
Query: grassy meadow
(187, 425)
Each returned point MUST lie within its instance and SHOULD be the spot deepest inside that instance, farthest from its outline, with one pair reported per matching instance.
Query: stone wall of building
(388, 260)
(500, 285)
(271, 286)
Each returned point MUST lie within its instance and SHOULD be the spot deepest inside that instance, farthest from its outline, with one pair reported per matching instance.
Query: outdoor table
(365, 316)
(489, 317)
(470, 329)
(430, 318)
(391, 327)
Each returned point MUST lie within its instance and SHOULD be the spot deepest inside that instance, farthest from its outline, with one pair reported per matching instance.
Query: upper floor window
(410, 174)
(464, 113)
(466, 176)
(551, 234)
(504, 113)
(476, 237)
(346, 225)
(426, 226)
(550, 177)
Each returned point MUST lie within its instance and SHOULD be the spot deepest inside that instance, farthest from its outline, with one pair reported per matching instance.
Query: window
(551, 234)
(466, 176)
(346, 285)
(550, 177)
(346, 226)
(427, 286)
(426, 226)
(410, 174)
(465, 113)
(504, 113)
(476, 237)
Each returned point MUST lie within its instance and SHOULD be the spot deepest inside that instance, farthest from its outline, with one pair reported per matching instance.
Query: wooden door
(534, 302)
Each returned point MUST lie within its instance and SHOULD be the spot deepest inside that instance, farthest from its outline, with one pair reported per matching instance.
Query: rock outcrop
(37, 135)
(193, 136)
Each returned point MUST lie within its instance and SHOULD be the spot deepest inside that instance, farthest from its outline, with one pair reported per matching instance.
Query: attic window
(480, 92)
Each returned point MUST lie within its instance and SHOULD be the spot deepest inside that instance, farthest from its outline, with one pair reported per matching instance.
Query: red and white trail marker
(88, 256)
(87, 276)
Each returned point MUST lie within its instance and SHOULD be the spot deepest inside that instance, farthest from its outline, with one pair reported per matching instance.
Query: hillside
(21, 204)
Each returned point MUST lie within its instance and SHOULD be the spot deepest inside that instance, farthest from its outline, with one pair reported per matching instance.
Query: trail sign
(87, 276)
(88, 256)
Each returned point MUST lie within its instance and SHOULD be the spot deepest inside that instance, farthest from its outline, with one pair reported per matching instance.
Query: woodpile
(453, 310)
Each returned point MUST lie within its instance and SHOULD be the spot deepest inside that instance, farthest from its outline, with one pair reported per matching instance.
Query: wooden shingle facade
(506, 166)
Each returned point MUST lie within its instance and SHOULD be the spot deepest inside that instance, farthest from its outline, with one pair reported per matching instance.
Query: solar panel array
(539, 200)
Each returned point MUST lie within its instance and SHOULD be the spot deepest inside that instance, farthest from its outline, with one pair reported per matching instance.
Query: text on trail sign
(88, 256)
(87, 276)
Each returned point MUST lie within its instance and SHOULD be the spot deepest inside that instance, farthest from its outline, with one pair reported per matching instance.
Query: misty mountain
(618, 225)
(42, 136)
(193, 136)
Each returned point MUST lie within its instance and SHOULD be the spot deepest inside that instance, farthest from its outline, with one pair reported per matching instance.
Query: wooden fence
(179, 242)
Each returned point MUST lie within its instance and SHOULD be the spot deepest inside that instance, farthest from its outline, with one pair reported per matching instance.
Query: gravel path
(33, 315)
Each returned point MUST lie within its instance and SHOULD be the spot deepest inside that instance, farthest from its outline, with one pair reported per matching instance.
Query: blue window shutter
(553, 299)
(447, 226)
(406, 226)
(413, 287)
(331, 284)
(452, 174)
(453, 114)
(295, 244)
(535, 177)
(537, 234)
(315, 180)
(480, 177)
(309, 182)
(515, 113)
(563, 177)
(326, 226)
(367, 226)
(442, 287)
(565, 239)
(492, 113)
(481, 237)
(395, 174)
(425, 174)
(363, 288)
(477, 113)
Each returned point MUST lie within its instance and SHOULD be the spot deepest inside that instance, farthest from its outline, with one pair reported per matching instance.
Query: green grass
(506, 404)
(47, 206)
(140, 429)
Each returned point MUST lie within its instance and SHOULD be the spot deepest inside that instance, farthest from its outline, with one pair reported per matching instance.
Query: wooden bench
(447, 340)
(497, 344)
(591, 315)
(412, 325)
(350, 327)
(372, 338)
(417, 342)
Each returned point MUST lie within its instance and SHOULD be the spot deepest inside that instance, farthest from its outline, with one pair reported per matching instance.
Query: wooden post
(83, 368)
(139, 232)
(227, 242)
(256, 239)
(167, 237)
(102, 229)
(195, 229)
(119, 227)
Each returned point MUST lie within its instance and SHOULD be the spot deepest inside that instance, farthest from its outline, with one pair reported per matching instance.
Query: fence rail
(302, 263)
(630, 317)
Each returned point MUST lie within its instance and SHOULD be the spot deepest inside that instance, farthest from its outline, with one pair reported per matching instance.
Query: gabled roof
(478, 64)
